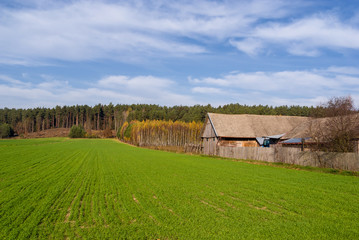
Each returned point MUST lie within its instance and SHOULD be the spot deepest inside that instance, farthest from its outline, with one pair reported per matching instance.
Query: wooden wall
(210, 146)
(344, 161)
(238, 143)
(208, 131)
(356, 146)
(209, 140)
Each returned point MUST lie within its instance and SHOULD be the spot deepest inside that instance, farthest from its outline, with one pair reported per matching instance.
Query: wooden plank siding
(208, 131)
(210, 146)
(238, 143)
(344, 161)
(209, 139)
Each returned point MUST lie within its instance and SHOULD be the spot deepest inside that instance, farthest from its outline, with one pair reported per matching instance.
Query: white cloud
(249, 46)
(344, 70)
(308, 87)
(86, 30)
(303, 50)
(212, 81)
(53, 84)
(306, 36)
(12, 81)
(273, 81)
(117, 89)
(207, 90)
(139, 82)
(114, 81)
(281, 88)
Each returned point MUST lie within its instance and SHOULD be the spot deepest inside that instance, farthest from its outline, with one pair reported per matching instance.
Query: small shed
(244, 130)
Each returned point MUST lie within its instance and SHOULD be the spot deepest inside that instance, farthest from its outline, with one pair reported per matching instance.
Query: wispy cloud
(251, 46)
(139, 82)
(116, 89)
(305, 36)
(86, 30)
(284, 87)
(207, 90)
(308, 87)
(343, 70)
(12, 81)
(129, 44)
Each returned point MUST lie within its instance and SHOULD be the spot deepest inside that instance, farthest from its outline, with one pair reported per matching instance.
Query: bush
(107, 133)
(91, 135)
(6, 131)
(77, 132)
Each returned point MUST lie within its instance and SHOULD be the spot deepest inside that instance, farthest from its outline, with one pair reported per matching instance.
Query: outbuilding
(244, 130)
(313, 132)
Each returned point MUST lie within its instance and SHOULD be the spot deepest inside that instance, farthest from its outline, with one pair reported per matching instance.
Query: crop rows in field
(61, 188)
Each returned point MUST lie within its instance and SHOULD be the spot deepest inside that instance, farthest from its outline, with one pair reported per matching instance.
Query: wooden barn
(244, 130)
(301, 135)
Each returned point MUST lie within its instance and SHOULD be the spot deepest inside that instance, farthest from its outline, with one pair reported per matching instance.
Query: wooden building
(243, 130)
(314, 130)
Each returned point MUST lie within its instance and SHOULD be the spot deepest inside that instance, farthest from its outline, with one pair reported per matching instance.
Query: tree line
(102, 117)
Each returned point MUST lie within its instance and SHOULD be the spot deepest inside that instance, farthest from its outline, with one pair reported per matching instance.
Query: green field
(69, 189)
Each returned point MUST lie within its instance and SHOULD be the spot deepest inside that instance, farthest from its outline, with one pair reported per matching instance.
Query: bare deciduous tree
(335, 125)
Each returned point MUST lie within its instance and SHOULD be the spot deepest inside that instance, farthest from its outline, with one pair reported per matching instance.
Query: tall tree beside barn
(336, 125)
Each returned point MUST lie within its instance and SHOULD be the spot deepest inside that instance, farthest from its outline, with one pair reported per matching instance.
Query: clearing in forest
(96, 188)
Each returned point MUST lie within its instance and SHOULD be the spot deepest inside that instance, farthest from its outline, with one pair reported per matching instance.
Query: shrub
(6, 131)
(77, 132)
(91, 135)
(107, 133)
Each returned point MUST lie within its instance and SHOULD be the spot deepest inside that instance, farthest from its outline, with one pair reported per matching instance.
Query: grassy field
(68, 189)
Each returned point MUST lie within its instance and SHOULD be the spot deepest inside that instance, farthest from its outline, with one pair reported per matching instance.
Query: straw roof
(305, 129)
(251, 126)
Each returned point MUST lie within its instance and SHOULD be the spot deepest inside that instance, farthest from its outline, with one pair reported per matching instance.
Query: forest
(102, 117)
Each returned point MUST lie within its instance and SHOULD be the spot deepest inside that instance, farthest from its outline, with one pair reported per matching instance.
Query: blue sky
(270, 52)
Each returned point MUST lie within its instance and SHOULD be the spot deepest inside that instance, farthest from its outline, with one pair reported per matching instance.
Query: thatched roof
(303, 129)
(313, 125)
(251, 126)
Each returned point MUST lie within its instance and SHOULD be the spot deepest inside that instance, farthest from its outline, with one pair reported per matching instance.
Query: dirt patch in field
(230, 205)
(154, 219)
(213, 206)
(67, 217)
(134, 199)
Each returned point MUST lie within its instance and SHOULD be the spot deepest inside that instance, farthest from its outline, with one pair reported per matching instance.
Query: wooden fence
(344, 161)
